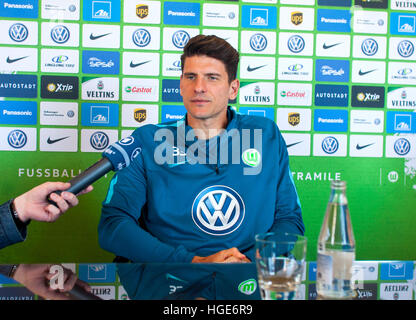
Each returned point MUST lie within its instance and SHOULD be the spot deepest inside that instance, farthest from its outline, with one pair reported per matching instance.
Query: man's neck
(208, 128)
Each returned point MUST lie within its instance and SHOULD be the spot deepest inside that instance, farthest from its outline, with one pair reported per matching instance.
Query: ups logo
(296, 18)
(293, 118)
(142, 11)
(140, 115)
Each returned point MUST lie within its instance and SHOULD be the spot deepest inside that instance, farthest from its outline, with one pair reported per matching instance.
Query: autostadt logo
(17, 139)
(18, 32)
(296, 44)
(180, 38)
(60, 34)
(218, 210)
(402, 146)
(369, 47)
(330, 145)
(99, 140)
(141, 37)
(405, 48)
(258, 42)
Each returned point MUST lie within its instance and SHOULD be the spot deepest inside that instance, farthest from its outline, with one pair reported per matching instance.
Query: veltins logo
(257, 93)
(401, 98)
(248, 287)
(218, 210)
(100, 88)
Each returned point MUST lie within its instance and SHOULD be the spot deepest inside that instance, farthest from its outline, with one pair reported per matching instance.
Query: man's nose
(200, 85)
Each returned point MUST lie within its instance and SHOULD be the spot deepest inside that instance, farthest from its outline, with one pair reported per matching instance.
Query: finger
(231, 259)
(86, 190)
(84, 285)
(70, 198)
(60, 201)
(70, 282)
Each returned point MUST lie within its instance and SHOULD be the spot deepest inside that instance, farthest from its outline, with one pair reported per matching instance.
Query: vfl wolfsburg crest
(248, 287)
(251, 157)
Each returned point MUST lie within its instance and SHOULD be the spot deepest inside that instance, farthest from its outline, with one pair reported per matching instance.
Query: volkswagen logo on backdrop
(296, 44)
(60, 34)
(402, 146)
(99, 140)
(369, 47)
(18, 32)
(258, 42)
(330, 145)
(17, 139)
(218, 210)
(180, 38)
(405, 48)
(141, 37)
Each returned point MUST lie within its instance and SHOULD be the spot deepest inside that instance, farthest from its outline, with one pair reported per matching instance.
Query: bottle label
(324, 272)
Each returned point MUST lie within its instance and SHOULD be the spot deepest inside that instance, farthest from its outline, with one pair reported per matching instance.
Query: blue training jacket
(185, 197)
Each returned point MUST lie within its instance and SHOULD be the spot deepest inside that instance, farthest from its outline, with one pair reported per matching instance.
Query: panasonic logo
(18, 6)
(181, 14)
(326, 20)
(323, 120)
(17, 113)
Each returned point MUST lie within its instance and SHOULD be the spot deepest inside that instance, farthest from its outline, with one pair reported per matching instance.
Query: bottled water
(336, 248)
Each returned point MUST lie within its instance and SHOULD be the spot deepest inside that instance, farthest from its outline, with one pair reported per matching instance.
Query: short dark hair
(213, 47)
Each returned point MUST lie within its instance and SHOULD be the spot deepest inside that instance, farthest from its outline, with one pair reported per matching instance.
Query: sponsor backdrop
(375, 280)
(337, 76)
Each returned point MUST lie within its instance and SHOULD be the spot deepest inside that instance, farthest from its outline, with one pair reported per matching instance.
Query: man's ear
(234, 87)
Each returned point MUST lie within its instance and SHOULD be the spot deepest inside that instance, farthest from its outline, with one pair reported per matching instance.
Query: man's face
(205, 88)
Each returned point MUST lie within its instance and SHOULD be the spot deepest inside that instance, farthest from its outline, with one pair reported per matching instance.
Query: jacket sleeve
(288, 213)
(119, 231)
(9, 232)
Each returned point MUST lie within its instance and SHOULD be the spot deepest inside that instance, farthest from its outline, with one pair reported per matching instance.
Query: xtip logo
(248, 287)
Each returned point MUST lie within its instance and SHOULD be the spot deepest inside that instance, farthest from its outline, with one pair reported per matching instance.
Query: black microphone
(78, 293)
(116, 157)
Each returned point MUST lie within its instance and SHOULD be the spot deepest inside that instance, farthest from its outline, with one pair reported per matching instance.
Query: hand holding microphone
(116, 157)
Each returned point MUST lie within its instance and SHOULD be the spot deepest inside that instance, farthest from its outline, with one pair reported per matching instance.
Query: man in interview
(204, 186)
